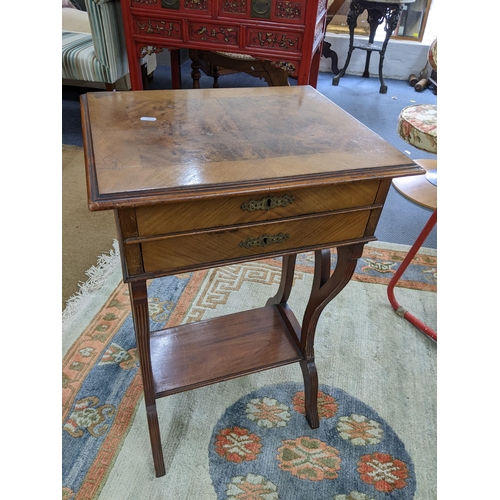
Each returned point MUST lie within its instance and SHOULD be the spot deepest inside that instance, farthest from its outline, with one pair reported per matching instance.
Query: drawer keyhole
(264, 240)
(268, 203)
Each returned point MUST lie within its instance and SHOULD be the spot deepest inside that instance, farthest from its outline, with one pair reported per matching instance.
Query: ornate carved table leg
(140, 312)
(327, 52)
(324, 288)
(195, 66)
(392, 15)
(375, 19)
(215, 74)
(355, 10)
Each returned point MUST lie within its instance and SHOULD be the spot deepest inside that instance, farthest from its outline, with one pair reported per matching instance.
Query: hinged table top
(146, 147)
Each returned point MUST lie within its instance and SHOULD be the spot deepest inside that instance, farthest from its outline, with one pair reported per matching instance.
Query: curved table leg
(139, 301)
(327, 52)
(287, 270)
(324, 288)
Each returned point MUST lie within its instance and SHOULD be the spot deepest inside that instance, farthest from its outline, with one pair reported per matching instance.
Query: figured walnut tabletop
(203, 178)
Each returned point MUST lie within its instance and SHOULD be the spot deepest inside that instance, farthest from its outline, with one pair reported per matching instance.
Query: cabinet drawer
(197, 6)
(158, 27)
(209, 247)
(189, 216)
(289, 12)
(146, 4)
(227, 34)
(278, 11)
(274, 40)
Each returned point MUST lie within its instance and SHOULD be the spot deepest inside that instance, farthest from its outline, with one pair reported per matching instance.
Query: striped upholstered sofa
(101, 55)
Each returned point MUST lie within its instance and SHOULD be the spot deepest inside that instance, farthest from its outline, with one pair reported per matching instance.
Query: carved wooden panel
(254, 27)
(289, 11)
(145, 3)
(234, 7)
(158, 27)
(201, 5)
(281, 11)
(274, 39)
(221, 34)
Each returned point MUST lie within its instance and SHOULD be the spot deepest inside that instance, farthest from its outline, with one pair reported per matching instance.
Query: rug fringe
(97, 275)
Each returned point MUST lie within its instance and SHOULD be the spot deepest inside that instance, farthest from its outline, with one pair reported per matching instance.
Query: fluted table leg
(139, 301)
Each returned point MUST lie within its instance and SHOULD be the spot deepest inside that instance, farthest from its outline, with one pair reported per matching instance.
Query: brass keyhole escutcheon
(264, 240)
(268, 203)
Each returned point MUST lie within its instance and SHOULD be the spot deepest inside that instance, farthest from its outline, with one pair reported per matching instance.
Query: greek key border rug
(247, 438)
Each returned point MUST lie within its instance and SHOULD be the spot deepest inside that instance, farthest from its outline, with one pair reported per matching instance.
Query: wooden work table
(205, 178)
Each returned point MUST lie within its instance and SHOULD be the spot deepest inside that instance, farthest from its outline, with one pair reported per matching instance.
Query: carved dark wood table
(289, 34)
(202, 178)
(378, 12)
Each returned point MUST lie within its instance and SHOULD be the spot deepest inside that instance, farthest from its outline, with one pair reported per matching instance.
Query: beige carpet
(85, 235)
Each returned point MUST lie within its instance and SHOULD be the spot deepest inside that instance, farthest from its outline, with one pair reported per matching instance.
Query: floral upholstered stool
(417, 125)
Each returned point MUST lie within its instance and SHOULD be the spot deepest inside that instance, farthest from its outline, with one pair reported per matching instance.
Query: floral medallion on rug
(354, 455)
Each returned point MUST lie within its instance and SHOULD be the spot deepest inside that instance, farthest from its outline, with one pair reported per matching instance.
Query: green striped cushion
(79, 61)
(102, 56)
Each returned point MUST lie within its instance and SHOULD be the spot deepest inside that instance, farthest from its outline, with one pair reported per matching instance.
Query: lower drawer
(158, 27)
(274, 39)
(210, 247)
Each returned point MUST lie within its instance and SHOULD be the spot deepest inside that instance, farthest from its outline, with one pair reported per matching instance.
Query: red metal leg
(401, 311)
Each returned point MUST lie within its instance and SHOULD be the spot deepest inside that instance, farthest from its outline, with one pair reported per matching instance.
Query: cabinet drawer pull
(170, 4)
(264, 240)
(268, 203)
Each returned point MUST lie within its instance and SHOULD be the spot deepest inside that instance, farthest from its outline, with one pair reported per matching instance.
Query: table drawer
(209, 247)
(188, 216)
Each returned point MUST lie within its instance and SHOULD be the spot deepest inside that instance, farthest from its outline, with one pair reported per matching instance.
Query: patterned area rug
(353, 451)
(247, 438)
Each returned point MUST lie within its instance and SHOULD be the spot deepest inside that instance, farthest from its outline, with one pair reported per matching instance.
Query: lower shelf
(189, 356)
(368, 46)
